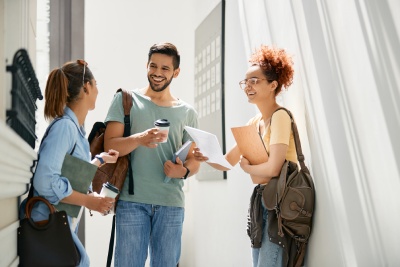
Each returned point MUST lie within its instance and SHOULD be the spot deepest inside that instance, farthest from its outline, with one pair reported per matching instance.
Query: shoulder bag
(46, 243)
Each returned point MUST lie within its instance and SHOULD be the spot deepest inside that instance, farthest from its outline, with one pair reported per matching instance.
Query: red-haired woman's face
(256, 86)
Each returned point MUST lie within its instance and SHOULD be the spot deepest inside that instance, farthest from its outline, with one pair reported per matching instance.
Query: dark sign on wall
(209, 82)
(25, 90)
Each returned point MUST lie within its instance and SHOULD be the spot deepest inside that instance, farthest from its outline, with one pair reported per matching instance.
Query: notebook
(80, 174)
(250, 144)
(182, 154)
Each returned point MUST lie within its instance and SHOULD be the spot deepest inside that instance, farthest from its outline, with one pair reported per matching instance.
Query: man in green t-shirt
(151, 219)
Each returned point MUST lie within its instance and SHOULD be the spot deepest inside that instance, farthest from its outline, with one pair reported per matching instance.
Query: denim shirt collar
(70, 114)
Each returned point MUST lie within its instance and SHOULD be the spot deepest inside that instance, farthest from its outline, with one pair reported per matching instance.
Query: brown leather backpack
(292, 196)
(112, 173)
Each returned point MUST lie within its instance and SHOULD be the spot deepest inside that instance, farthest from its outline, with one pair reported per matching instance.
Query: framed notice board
(209, 82)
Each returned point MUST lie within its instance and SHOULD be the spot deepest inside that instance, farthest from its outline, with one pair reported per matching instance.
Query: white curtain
(346, 100)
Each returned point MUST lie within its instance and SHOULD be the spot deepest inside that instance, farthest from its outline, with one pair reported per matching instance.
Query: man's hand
(174, 170)
(150, 138)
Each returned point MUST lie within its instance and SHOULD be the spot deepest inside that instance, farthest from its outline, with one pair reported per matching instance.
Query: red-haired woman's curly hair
(276, 64)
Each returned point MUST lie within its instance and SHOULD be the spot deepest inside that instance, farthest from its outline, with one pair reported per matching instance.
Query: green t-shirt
(148, 163)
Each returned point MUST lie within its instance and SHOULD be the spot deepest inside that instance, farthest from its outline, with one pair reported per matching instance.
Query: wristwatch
(187, 173)
(100, 159)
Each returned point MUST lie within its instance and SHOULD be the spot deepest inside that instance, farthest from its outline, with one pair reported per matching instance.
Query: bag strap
(32, 201)
(35, 162)
(111, 244)
(127, 103)
(300, 155)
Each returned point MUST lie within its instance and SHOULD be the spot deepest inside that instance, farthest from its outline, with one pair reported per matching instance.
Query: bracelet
(100, 159)
(186, 174)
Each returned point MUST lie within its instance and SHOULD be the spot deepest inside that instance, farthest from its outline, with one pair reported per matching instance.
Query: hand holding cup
(163, 126)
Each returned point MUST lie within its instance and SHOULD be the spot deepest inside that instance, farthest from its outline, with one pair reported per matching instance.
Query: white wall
(345, 99)
(17, 30)
(217, 221)
(2, 64)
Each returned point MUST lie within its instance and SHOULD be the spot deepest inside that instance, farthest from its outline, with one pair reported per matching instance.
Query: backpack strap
(111, 244)
(127, 104)
(300, 155)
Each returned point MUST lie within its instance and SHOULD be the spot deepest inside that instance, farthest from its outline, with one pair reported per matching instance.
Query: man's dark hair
(166, 49)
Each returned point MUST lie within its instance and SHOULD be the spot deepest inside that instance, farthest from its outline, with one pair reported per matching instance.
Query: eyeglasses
(249, 82)
(84, 63)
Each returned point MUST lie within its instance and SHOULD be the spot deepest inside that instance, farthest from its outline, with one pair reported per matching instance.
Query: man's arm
(113, 138)
(191, 163)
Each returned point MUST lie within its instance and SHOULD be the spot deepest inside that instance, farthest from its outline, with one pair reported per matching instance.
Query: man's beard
(159, 88)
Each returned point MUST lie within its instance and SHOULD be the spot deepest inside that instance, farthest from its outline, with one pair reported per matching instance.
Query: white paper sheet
(209, 146)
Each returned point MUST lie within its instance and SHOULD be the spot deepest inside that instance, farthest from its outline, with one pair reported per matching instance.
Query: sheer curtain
(345, 98)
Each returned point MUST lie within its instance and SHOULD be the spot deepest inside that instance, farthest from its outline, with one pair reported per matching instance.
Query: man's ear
(176, 72)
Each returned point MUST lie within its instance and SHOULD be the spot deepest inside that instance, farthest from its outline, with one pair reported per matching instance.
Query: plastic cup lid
(162, 123)
(111, 187)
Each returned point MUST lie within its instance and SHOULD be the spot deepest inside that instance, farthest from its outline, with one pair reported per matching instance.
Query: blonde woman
(70, 93)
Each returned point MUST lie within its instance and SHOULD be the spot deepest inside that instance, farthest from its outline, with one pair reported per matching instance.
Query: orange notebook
(250, 144)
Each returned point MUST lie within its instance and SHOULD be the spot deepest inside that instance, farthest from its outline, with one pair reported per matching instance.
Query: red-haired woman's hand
(198, 156)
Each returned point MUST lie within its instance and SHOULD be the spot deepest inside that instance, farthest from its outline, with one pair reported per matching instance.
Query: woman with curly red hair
(271, 69)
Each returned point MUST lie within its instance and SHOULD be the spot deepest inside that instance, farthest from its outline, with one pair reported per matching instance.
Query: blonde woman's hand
(110, 157)
(99, 203)
(198, 156)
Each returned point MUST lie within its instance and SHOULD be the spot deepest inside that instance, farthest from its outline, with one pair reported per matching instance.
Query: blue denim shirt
(61, 139)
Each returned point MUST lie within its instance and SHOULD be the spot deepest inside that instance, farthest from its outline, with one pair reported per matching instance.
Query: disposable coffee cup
(109, 190)
(163, 127)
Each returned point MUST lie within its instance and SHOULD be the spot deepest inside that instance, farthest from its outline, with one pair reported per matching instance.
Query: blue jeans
(270, 254)
(143, 227)
(85, 262)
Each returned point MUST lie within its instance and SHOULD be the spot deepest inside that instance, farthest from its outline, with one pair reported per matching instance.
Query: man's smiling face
(160, 72)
